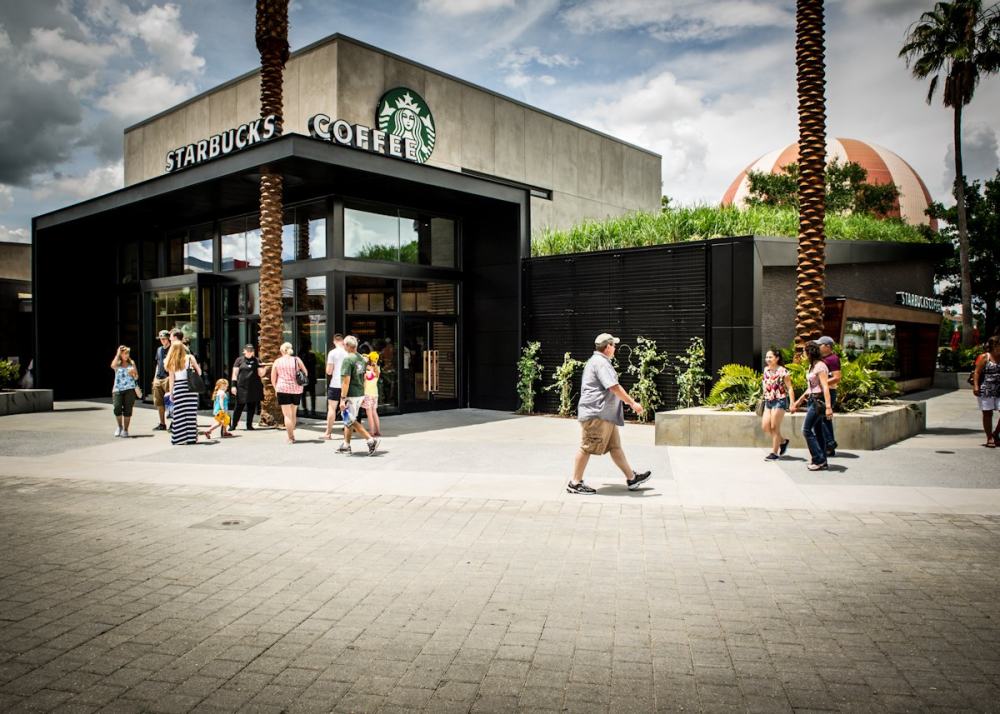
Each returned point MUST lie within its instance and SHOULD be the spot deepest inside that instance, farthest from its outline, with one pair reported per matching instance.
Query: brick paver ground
(111, 600)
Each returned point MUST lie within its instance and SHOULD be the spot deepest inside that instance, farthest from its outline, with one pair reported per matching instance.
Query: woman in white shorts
(986, 387)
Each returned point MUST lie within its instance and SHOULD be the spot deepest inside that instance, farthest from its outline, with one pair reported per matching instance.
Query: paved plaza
(452, 572)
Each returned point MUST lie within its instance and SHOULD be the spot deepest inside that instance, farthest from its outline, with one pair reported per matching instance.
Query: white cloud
(678, 19)
(518, 61)
(95, 182)
(14, 235)
(159, 27)
(143, 94)
(6, 198)
(464, 7)
(54, 43)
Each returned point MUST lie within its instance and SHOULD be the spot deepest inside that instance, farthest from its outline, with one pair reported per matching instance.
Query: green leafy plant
(563, 379)
(646, 363)
(529, 371)
(690, 223)
(691, 376)
(9, 374)
(737, 389)
(861, 385)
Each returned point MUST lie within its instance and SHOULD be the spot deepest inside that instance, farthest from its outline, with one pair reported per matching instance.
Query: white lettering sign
(919, 301)
(222, 144)
(359, 136)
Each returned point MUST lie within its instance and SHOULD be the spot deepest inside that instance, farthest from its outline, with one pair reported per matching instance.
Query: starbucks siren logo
(403, 112)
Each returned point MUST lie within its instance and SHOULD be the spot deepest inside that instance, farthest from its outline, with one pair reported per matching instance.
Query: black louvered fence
(662, 293)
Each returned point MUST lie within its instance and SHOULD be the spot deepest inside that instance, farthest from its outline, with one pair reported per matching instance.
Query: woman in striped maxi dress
(184, 426)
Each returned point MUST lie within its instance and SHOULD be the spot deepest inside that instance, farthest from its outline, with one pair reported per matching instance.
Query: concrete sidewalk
(480, 454)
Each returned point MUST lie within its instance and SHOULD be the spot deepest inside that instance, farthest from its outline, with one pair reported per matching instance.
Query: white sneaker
(124, 434)
(118, 431)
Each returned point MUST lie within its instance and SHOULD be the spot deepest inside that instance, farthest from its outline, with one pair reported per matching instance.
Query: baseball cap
(606, 337)
(162, 335)
(824, 340)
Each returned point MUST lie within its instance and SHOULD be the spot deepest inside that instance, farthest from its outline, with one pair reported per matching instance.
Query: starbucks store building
(410, 200)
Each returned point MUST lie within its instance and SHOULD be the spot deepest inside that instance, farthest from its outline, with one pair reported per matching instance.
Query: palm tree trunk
(963, 234)
(811, 82)
(272, 43)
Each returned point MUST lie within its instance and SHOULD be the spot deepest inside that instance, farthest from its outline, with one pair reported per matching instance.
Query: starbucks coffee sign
(222, 144)
(919, 301)
(403, 112)
(405, 128)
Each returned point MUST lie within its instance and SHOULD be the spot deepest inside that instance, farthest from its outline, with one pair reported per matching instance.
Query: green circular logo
(403, 112)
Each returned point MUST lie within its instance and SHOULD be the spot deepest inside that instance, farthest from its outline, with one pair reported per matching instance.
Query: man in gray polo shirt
(600, 412)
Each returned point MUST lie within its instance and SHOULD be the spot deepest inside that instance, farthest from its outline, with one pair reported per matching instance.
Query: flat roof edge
(336, 37)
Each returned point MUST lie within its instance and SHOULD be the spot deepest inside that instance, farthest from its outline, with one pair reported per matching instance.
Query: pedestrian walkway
(470, 453)
(451, 573)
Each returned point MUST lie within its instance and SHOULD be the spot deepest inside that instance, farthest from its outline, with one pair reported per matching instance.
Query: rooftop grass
(677, 225)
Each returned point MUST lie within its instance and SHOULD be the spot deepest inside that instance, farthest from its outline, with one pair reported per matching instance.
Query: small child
(220, 409)
(370, 403)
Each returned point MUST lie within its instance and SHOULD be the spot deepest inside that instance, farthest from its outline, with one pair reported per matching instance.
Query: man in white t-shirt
(334, 360)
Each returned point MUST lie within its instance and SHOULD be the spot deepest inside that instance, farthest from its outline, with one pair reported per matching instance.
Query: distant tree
(847, 189)
(665, 203)
(961, 40)
(983, 224)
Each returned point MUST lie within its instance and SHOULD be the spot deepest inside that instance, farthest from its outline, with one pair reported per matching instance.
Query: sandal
(818, 467)
(990, 444)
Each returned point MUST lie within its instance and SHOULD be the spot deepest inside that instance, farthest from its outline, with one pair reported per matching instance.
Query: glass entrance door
(430, 362)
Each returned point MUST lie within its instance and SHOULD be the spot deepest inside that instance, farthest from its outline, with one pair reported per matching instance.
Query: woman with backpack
(289, 376)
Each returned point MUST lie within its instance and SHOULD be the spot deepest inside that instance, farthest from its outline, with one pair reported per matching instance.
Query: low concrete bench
(864, 430)
(25, 401)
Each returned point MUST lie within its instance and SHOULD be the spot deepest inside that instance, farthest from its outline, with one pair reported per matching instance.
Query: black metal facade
(661, 293)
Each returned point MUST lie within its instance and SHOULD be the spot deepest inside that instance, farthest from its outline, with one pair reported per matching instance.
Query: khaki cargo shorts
(599, 436)
(160, 387)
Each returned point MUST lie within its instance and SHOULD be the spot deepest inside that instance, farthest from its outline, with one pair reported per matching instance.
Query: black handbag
(301, 377)
(195, 382)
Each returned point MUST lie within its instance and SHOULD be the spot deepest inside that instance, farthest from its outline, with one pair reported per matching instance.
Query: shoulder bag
(301, 376)
(195, 382)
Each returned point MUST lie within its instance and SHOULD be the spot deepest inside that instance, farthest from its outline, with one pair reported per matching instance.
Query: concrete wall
(15, 261)
(877, 282)
(590, 175)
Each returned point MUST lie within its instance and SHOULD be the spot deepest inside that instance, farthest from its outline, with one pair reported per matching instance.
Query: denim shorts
(777, 403)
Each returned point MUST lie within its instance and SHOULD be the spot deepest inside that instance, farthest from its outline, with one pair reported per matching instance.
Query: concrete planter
(25, 401)
(864, 430)
(952, 380)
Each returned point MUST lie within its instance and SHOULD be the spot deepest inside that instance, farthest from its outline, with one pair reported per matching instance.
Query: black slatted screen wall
(660, 293)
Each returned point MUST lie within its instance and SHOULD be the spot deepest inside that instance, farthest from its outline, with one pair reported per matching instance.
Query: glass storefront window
(190, 252)
(308, 239)
(366, 294)
(177, 309)
(378, 333)
(253, 241)
(234, 244)
(128, 263)
(371, 236)
(403, 236)
(861, 336)
(432, 297)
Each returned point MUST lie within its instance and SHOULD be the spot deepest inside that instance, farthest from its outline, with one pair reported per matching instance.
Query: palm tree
(961, 40)
(811, 82)
(272, 43)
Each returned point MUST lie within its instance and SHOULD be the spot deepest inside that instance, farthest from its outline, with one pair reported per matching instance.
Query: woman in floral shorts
(778, 394)
(986, 387)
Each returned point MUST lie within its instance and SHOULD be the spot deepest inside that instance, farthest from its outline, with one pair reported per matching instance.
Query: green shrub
(645, 363)
(690, 223)
(529, 371)
(9, 374)
(737, 389)
(691, 376)
(861, 386)
(563, 379)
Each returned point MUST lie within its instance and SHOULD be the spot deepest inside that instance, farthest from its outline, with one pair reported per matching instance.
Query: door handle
(427, 370)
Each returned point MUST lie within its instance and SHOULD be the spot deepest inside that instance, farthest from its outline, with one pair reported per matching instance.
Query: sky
(708, 85)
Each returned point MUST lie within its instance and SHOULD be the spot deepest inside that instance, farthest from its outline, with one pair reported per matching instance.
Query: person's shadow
(618, 489)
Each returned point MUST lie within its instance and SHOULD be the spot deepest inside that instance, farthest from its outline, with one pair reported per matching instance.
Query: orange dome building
(883, 166)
